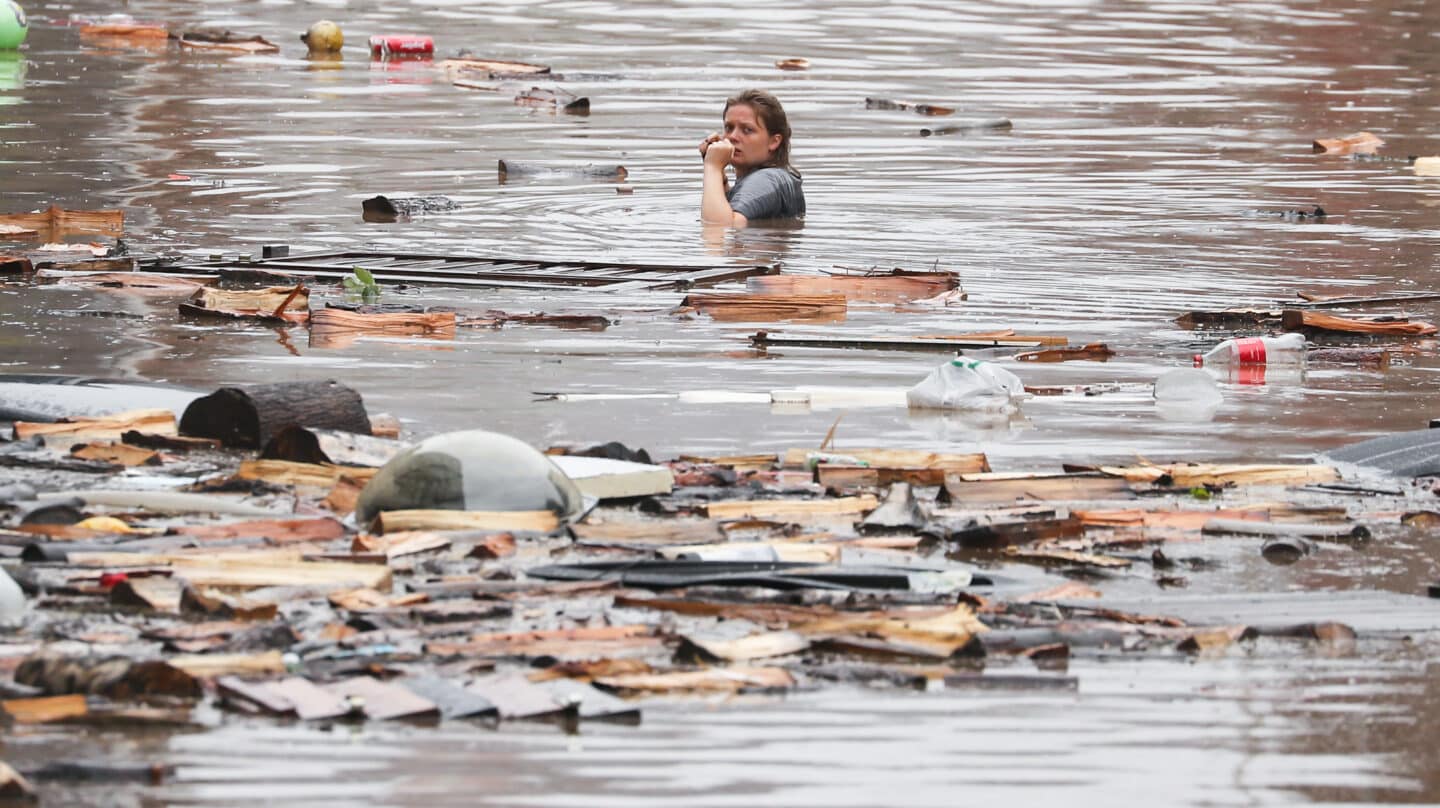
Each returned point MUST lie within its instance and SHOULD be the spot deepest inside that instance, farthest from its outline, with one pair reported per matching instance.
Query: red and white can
(385, 46)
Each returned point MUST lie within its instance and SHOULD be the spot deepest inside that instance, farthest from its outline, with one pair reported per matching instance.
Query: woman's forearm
(714, 207)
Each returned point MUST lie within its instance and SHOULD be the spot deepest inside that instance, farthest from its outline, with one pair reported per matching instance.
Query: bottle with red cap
(1286, 349)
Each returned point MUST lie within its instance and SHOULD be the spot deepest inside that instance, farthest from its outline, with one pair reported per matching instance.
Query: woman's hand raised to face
(718, 153)
(705, 144)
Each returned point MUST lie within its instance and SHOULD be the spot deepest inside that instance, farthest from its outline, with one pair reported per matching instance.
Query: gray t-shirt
(767, 193)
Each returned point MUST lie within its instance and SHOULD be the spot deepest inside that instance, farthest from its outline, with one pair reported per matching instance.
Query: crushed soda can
(385, 46)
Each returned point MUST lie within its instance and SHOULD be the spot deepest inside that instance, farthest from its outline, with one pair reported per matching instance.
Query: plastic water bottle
(1286, 349)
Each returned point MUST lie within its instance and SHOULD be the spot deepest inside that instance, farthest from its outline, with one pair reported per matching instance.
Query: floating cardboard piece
(615, 479)
(118, 453)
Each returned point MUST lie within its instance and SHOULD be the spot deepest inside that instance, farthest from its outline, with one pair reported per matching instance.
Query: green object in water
(1200, 492)
(13, 25)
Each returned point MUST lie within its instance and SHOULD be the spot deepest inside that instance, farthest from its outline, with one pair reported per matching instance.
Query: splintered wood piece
(710, 680)
(923, 109)
(793, 64)
(655, 532)
(251, 570)
(45, 710)
(131, 30)
(1191, 475)
(896, 459)
(792, 509)
(464, 64)
(964, 491)
(1358, 143)
(1095, 351)
(153, 592)
(1049, 555)
(395, 545)
(278, 531)
(757, 462)
(754, 646)
(331, 321)
(107, 452)
(540, 521)
(284, 472)
(1296, 320)
(205, 666)
(889, 287)
(105, 426)
(249, 46)
(767, 308)
(271, 302)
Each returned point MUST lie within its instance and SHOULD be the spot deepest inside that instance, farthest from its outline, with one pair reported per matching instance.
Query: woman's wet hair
(768, 110)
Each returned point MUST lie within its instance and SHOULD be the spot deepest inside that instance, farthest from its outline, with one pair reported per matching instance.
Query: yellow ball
(324, 37)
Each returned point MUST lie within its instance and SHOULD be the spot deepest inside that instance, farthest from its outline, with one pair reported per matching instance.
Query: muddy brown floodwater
(1150, 142)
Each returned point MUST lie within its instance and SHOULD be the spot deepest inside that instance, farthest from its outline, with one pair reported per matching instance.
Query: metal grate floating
(470, 270)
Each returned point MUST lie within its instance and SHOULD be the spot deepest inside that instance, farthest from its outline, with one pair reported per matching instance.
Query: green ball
(13, 26)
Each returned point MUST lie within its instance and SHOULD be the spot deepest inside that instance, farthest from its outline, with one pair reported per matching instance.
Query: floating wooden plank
(365, 599)
(756, 462)
(1196, 474)
(284, 472)
(1358, 143)
(1052, 555)
(540, 521)
(157, 421)
(840, 477)
(766, 308)
(515, 697)
(893, 286)
(1297, 320)
(764, 339)
(521, 168)
(792, 509)
(567, 643)
(472, 270)
(659, 532)
(468, 64)
(153, 593)
(45, 710)
(1095, 351)
(1314, 301)
(149, 282)
(1229, 319)
(56, 220)
(798, 458)
(793, 64)
(309, 701)
(332, 321)
(244, 570)
(285, 304)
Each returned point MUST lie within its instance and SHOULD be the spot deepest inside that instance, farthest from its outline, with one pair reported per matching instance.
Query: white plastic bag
(966, 384)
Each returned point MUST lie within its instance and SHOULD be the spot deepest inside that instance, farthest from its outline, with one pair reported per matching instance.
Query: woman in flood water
(757, 143)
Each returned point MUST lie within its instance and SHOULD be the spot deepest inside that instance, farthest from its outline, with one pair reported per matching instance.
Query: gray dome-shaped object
(472, 470)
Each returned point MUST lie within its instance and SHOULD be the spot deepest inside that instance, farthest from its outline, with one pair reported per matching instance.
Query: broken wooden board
(277, 531)
(156, 421)
(467, 64)
(118, 453)
(126, 30)
(799, 458)
(711, 680)
(248, 46)
(755, 646)
(57, 220)
(539, 521)
(755, 462)
(658, 532)
(763, 339)
(600, 642)
(767, 308)
(1183, 475)
(280, 304)
(1229, 319)
(792, 509)
(1094, 351)
(334, 322)
(964, 490)
(284, 472)
(206, 666)
(893, 286)
(251, 570)
(1358, 143)
(909, 106)
(1298, 320)
(45, 710)
(842, 477)
(364, 599)
(398, 544)
(146, 282)
(1057, 556)
(516, 698)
